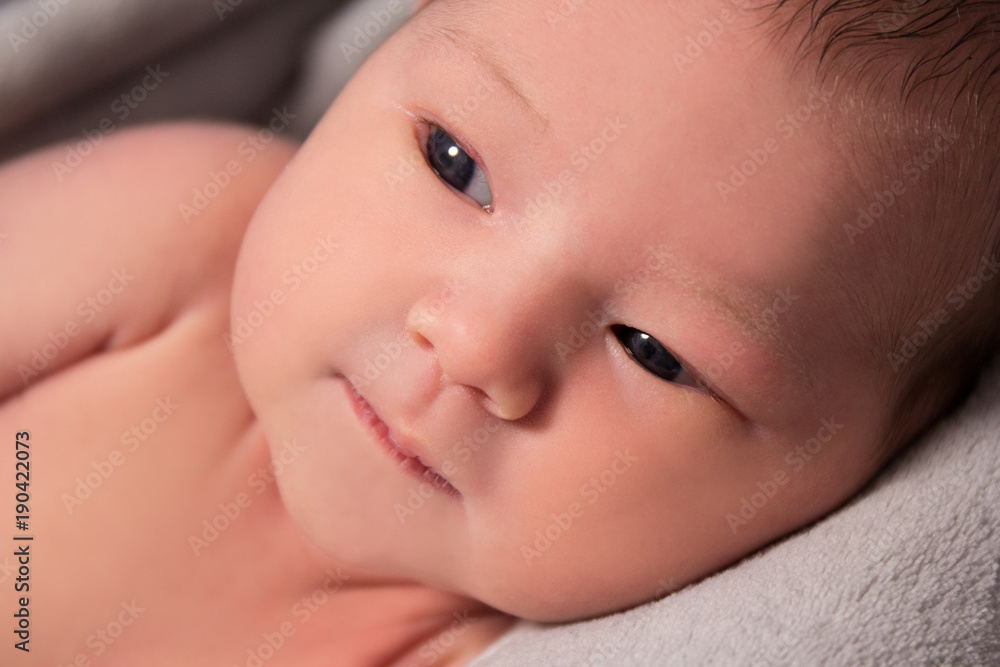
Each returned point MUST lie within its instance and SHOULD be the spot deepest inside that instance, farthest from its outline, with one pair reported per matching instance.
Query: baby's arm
(104, 259)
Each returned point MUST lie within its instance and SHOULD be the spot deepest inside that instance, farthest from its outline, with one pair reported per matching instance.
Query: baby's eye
(651, 355)
(454, 166)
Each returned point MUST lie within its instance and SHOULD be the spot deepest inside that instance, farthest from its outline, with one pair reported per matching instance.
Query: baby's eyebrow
(744, 305)
(433, 32)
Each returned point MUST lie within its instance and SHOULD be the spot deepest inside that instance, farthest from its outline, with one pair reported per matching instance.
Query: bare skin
(140, 433)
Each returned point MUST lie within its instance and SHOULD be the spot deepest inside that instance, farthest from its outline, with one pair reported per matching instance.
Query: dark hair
(916, 115)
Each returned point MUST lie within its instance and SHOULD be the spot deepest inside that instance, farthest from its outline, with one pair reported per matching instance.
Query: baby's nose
(495, 333)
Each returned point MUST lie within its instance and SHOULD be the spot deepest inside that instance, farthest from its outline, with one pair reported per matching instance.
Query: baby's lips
(407, 450)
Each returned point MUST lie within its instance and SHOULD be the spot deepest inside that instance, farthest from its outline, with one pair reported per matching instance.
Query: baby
(561, 307)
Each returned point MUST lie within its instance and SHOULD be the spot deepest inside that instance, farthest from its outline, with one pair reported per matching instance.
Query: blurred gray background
(72, 69)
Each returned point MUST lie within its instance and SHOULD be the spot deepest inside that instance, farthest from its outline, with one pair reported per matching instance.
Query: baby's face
(618, 375)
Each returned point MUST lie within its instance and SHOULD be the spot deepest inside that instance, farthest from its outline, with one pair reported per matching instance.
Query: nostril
(422, 341)
(512, 400)
(483, 399)
(415, 326)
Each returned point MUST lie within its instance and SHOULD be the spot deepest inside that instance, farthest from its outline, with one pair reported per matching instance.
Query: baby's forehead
(594, 48)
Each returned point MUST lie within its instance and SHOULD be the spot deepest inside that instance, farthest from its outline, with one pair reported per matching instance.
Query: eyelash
(696, 383)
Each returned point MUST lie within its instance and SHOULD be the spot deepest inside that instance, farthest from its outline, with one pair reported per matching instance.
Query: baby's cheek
(624, 493)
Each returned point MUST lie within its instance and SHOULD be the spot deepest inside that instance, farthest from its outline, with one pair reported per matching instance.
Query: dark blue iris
(649, 353)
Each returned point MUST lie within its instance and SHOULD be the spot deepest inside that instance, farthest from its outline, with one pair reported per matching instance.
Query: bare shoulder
(105, 249)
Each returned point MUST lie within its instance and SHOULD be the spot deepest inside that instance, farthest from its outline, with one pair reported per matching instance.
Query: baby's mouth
(379, 431)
